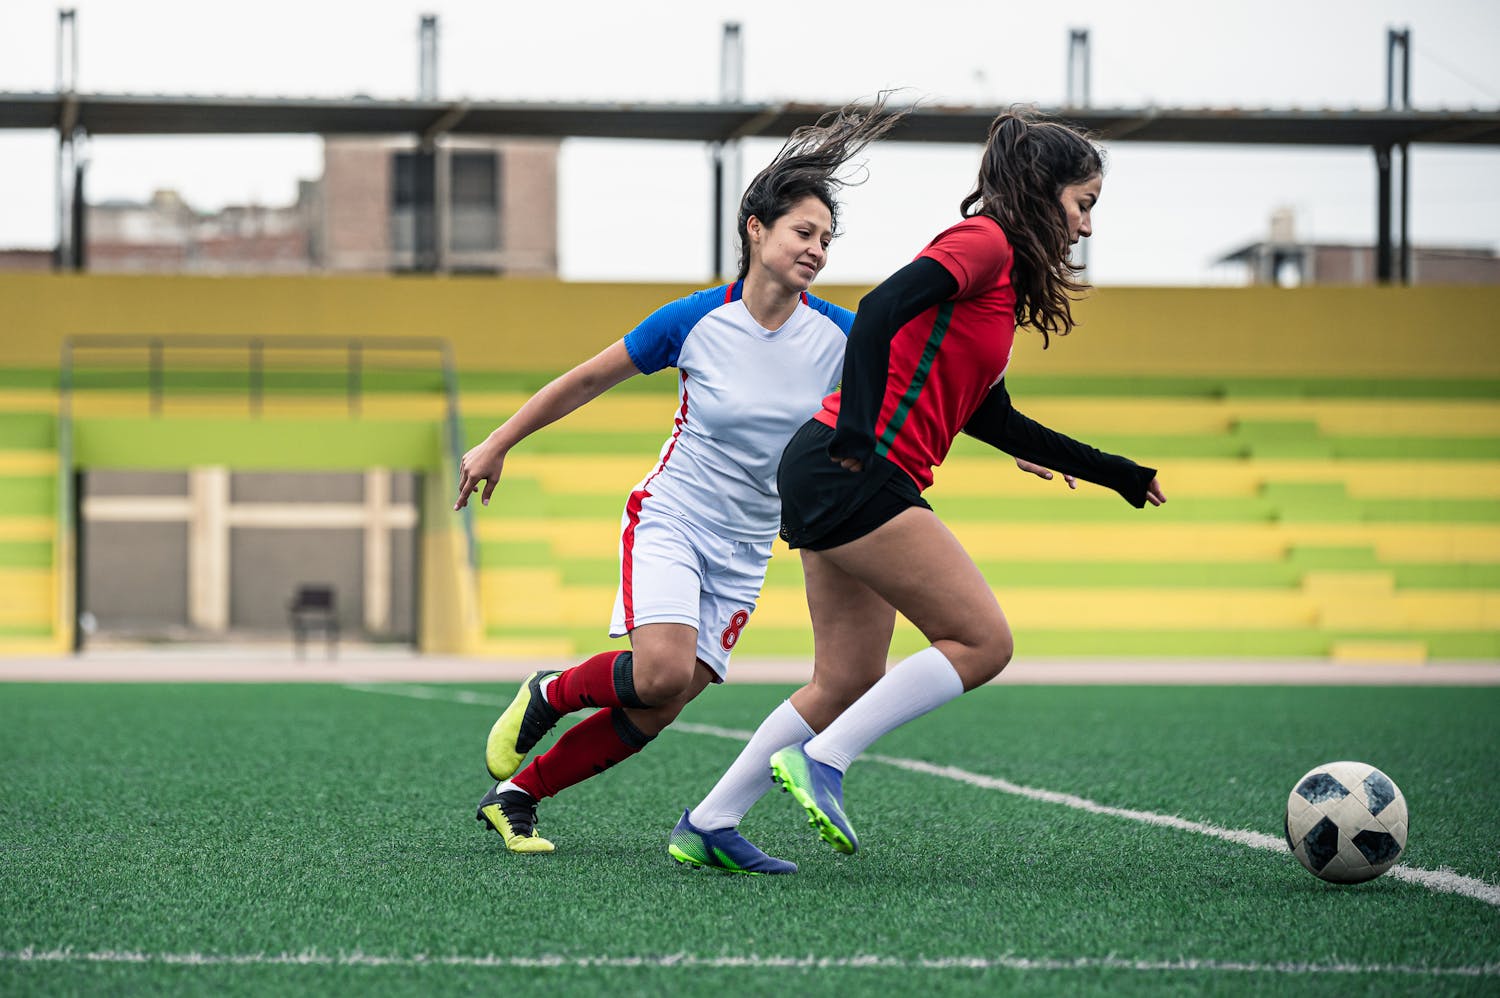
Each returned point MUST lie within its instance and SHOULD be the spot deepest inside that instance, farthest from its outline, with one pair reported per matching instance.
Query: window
(411, 200)
(473, 216)
(474, 198)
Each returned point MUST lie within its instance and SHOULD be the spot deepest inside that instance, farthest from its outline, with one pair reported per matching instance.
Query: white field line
(1445, 881)
(313, 958)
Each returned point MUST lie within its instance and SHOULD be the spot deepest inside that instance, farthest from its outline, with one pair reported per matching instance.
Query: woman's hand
(847, 463)
(1046, 473)
(1154, 495)
(481, 464)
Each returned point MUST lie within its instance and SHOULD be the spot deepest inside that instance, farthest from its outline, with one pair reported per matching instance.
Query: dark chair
(314, 608)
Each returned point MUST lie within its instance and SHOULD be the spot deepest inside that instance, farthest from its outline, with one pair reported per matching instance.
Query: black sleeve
(998, 424)
(898, 299)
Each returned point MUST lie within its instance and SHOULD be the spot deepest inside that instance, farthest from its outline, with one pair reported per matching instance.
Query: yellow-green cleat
(523, 724)
(819, 788)
(512, 813)
(721, 849)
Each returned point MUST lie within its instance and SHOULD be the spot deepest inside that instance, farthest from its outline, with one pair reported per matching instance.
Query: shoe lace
(520, 810)
(540, 717)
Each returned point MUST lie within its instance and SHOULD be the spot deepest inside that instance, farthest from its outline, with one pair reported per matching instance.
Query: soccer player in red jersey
(926, 360)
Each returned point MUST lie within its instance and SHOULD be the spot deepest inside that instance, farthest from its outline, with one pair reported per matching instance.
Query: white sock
(748, 779)
(921, 683)
(501, 788)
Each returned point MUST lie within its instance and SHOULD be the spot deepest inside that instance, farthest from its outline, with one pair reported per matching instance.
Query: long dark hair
(808, 165)
(1027, 162)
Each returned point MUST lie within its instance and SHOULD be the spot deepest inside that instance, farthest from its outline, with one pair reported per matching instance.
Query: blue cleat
(819, 788)
(721, 849)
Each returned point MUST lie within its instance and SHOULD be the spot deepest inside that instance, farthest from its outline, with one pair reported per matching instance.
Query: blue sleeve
(657, 342)
(842, 317)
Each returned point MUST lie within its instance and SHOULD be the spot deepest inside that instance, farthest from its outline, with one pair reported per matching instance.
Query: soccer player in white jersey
(754, 358)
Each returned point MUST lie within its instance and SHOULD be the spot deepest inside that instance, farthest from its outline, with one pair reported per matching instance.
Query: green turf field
(320, 839)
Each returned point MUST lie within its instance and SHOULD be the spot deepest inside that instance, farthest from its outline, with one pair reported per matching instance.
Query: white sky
(640, 210)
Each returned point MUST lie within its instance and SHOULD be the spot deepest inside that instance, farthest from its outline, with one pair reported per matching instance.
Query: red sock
(606, 680)
(586, 749)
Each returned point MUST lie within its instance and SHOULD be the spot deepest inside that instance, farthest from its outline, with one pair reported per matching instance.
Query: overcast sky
(640, 211)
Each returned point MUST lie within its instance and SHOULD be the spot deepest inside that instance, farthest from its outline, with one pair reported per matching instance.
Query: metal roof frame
(137, 114)
(1388, 132)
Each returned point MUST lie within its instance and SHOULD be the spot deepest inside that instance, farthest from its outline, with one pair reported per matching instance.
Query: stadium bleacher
(1299, 524)
(1333, 478)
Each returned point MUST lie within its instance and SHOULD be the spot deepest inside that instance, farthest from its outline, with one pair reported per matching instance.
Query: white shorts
(675, 571)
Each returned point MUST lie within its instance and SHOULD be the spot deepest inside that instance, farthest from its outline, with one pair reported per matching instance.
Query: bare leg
(666, 662)
(654, 720)
(852, 626)
(916, 564)
(857, 637)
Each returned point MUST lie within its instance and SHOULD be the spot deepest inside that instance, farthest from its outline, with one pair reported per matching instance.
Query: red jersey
(944, 362)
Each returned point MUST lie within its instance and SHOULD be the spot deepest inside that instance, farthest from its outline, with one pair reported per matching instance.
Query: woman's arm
(552, 402)
(898, 299)
(999, 424)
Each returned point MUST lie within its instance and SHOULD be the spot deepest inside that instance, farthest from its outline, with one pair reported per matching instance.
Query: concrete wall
(549, 325)
(140, 529)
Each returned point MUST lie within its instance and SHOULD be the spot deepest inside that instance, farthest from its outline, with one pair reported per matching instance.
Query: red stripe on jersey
(627, 556)
(633, 515)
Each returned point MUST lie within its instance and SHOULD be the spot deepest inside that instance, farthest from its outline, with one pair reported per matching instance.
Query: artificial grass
(284, 819)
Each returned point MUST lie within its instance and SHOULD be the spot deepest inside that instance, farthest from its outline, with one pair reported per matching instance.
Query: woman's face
(1078, 204)
(793, 250)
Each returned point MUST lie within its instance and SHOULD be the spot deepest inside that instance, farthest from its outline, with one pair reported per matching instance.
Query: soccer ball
(1346, 822)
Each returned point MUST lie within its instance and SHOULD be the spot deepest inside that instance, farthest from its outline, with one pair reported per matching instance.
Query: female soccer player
(754, 359)
(926, 359)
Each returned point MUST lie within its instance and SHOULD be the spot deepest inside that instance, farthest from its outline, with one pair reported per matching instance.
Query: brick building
(212, 552)
(495, 212)
(1283, 259)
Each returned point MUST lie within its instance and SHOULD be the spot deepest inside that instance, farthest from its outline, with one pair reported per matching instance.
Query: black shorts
(824, 505)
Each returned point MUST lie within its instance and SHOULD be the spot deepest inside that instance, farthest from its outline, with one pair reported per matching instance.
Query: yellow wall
(545, 325)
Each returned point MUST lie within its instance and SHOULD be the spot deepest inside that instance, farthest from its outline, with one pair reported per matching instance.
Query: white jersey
(743, 391)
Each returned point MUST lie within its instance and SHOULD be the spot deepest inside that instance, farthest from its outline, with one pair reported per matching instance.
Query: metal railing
(140, 363)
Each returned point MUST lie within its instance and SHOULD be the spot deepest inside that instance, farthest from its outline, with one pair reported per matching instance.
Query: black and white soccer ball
(1346, 822)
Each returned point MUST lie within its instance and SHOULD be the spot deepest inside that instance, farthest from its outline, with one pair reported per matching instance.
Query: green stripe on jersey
(918, 379)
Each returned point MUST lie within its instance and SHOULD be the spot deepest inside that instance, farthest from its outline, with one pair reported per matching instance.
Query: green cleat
(523, 724)
(819, 788)
(513, 814)
(721, 849)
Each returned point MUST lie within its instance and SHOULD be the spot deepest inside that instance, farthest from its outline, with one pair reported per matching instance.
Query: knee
(852, 689)
(1003, 651)
(654, 720)
(981, 658)
(828, 697)
(995, 653)
(659, 683)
